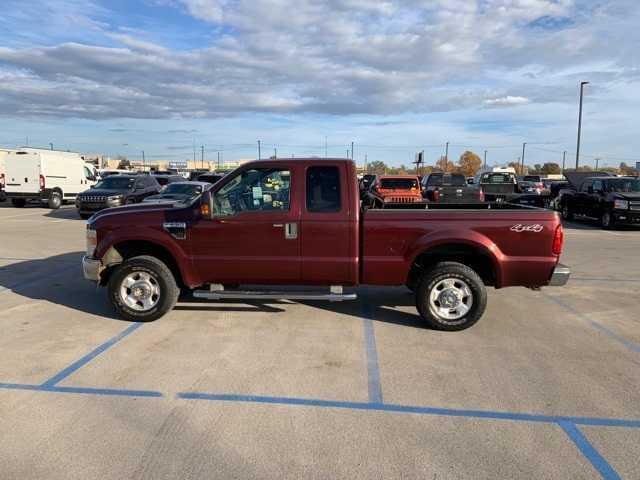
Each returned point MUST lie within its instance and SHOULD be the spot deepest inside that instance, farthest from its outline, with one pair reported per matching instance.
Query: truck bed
(516, 239)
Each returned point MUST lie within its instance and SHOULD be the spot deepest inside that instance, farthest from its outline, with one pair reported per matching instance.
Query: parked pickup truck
(611, 200)
(299, 222)
(449, 188)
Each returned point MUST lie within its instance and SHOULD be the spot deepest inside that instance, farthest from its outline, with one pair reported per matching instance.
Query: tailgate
(498, 188)
(23, 174)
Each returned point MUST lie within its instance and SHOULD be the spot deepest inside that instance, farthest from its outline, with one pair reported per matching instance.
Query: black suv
(114, 191)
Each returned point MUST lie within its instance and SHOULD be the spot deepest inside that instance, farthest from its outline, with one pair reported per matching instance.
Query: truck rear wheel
(143, 289)
(567, 214)
(606, 220)
(450, 296)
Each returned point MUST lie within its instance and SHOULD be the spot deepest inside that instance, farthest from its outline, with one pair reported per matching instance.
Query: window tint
(597, 185)
(586, 185)
(257, 189)
(323, 189)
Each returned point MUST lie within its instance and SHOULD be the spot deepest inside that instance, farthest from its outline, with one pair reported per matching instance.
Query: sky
(121, 76)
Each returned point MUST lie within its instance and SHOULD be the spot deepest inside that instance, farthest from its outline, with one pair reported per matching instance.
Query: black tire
(567, 214)
(461, 275)
(168, 290)
(55, 201)
(606, 220)
(84, 216)
(18, 202)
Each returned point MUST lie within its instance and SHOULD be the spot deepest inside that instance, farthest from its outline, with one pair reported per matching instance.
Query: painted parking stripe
(598, 326)
(588, 450)
(83, 390)
(57, 378)
(373, 368)
(389, 407)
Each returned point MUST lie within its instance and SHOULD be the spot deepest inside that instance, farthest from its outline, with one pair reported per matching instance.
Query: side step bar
(216, 293)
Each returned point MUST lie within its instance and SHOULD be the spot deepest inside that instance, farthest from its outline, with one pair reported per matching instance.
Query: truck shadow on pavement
(59, 280)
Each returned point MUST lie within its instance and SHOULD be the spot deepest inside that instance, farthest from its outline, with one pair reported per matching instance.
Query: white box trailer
(48, 176)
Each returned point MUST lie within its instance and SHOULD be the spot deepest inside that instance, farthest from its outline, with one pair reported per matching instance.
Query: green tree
(551, 168)
(377, 167)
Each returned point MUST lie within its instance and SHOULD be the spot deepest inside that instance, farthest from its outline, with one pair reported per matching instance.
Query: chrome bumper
(560, 276)
(91, 268)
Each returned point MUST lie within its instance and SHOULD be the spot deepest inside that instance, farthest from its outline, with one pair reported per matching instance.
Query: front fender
(145, 234)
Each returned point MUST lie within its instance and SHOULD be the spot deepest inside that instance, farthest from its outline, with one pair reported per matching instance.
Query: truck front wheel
(567, 213)
(55, 200)
(143, 289)
(450, 296)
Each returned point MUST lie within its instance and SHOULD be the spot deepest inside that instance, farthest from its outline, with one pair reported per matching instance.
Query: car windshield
(624, 185)
(182, 189)
(115, 182)
(398, 183)
(496, 178)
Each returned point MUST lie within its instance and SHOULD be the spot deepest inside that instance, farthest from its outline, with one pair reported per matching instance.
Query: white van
(3, 154)
(48, 176)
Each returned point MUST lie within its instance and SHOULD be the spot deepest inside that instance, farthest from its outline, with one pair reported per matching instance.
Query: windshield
(496, 178)
(624, 185)
(115, 182)
(452, 180)
(182, 189)
(398, 183)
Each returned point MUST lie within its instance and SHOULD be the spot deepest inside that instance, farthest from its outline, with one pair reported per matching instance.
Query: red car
(398, 189)
(299, 221)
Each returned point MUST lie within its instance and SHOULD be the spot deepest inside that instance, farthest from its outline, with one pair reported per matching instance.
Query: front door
(254, 237)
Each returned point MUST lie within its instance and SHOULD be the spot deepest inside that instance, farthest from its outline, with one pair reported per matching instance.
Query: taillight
(481, 196)
(436, 195)
(41, 182)
(2, 180)
(558, 240)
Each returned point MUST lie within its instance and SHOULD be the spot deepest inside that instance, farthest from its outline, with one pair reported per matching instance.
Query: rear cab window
(323, 189)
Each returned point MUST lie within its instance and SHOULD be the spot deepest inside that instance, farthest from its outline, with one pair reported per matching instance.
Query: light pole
(522, 167)
(259, 153)
(597, 162)
(582, 84)
(51, 145)
(446, 156)
(564, 157)
(201, 156)
(485, 159)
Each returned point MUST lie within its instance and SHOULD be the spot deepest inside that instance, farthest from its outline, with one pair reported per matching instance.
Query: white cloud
(507, 101)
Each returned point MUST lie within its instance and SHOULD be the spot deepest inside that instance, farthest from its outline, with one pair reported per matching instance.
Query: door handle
(278, 225)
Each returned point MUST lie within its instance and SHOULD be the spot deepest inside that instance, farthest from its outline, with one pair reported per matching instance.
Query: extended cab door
(255, 235)
(330, 225)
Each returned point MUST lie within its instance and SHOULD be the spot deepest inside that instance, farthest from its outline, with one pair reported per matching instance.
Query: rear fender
(469, 238)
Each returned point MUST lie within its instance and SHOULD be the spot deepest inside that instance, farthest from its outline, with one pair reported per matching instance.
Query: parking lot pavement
(546, 385)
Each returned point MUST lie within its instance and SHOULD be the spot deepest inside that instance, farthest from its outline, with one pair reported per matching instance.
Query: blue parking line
(373, 368)
(598, 326)
(57, 378)
(588, 450)
(388, 407)
(82, 390)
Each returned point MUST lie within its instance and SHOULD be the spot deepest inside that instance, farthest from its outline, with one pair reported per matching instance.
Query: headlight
(92, 241)
(114, 199)
(621, 204)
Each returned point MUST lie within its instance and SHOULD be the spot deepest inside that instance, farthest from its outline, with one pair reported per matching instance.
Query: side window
(323, 189)
(139, 183)
(586, 185)
(88, 174)
(597, 185)
(257, 189)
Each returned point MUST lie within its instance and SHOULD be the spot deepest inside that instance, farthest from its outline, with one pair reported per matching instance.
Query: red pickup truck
(299, 222)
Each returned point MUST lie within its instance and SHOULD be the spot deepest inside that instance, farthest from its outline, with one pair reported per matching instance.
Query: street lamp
(582, 84)
(522, 167)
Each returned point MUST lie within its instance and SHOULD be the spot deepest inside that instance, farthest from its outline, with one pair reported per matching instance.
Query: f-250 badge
(536, 228)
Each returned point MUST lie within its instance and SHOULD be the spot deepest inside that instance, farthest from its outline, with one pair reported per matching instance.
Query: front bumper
(560, 276)
(91, 268)
(627, 217)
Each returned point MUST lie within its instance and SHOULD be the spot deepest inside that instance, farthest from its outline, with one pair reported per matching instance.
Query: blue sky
(119, 77)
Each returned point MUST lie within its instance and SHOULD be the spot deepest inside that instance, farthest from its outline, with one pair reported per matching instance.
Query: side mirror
(207, 206)
(91, 186)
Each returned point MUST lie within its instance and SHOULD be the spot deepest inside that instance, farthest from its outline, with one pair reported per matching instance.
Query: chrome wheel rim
(606, 219)
(140, 291)
(451, 299)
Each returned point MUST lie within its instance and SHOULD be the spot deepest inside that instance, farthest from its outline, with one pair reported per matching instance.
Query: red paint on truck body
(346, 247)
